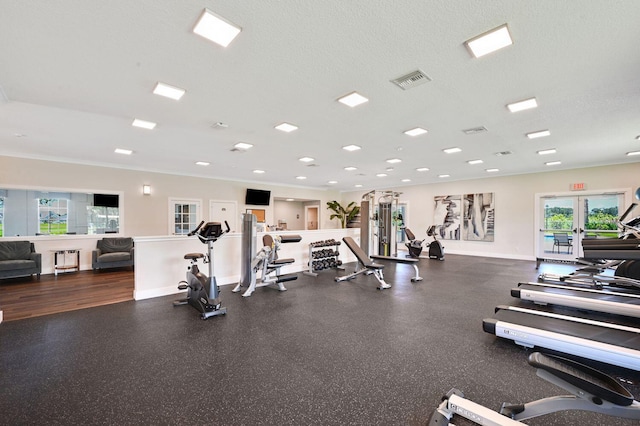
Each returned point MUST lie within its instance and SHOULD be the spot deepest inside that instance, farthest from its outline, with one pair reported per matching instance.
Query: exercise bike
(591, 390)
(203, 291)
(436, 249)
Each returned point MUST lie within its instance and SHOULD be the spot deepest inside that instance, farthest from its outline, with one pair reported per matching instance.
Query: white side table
(60, 262)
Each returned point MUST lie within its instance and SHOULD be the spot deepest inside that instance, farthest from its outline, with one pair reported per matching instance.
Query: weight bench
(368, 266)
(410, 260)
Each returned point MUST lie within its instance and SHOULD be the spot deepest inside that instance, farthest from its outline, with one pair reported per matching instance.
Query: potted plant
(345, 214)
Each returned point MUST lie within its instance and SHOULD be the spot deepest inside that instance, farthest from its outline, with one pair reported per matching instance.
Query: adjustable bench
(368, 266)
(410, 260)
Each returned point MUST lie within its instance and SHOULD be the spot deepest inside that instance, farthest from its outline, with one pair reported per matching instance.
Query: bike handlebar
(192, 233)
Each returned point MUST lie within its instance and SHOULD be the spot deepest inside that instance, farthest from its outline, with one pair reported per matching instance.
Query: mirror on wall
(25, 212)
(296, 214)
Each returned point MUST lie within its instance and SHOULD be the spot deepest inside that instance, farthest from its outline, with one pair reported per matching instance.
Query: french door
(565, 220)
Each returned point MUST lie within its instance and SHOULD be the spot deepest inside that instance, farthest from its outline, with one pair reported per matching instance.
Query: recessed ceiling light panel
(301, 177)
(202, 163)
(381, 175)
(353, 99)
(259, 172)
(553, 163)
(351, 148)
(350, 168)
(547, 151)
(443, 176)
(286, 127)
(539, 134)
(216, 29)
(422, 169)
(632, 153)
(406, 180)
(332, 182)
(168, 91)
(523, 105)
(394, 160)
(490, 41)
(123, 151)
(416, 132)
(452, 150)
(492, 170)
(305, 159)
(149, 125)
(474, 162)
(243, 146)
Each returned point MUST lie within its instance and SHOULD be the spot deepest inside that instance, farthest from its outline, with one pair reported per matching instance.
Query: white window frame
(173, 201)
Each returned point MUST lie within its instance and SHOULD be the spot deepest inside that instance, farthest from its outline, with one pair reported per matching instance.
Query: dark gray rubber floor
(320, 353)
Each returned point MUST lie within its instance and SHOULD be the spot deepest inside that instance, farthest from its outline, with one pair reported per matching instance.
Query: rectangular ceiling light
(452, 150)
(350, 168)
(474, 162)
(553, 163)
(443, 176)
(202, 163)
(490, 41)
(305, 159)
(492, 170)
(168, 91)
(353, 99)
(394, 160)
(143, 124)
(351, 148)
(216, 29)
(286, 127)
(547, 151)
(416, 132)
(633, 153)
(123, 151)
(540, 134)
(422, 169)
(522, 105)
(243, 145)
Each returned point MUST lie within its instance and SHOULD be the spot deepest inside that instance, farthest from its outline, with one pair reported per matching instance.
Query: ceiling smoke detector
(411, 80)
(474, 130)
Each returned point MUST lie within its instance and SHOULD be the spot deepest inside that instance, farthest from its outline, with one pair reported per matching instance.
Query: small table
(61, 256)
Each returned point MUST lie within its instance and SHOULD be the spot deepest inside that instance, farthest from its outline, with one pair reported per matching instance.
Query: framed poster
(446, 216)
(479, 216)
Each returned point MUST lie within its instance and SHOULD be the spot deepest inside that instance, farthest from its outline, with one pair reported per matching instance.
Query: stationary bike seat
(193, 256)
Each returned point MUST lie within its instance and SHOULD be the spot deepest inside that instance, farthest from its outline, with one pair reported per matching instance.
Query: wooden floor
(28, 297)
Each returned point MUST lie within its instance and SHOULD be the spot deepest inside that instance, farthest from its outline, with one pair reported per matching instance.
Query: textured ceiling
(75, 74)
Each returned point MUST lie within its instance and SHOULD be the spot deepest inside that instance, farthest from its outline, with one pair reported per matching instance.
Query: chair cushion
(15, 250)
(12, 265)
(114, 257)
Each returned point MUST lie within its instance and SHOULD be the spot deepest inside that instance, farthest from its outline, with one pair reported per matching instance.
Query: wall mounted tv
(105, 200)
(257, 197)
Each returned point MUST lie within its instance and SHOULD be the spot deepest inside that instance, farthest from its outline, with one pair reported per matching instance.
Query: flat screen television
(105, 200)
(257, 197)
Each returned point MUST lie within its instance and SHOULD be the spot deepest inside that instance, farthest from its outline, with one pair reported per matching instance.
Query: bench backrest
(357, 251)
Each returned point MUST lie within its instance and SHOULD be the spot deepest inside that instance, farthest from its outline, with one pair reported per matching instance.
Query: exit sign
(578, 187)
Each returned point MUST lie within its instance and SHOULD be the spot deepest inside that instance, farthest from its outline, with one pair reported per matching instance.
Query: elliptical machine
(436, 250)
(202, 291)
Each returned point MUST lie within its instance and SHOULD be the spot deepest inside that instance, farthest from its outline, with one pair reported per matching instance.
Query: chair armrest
(94, 255)
(132, 252)
(37, 257)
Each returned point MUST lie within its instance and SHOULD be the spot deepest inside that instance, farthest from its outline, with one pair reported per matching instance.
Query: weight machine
(379, 224)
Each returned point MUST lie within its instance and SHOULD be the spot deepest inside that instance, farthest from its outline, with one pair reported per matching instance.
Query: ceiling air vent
(501, 153)
(474, 130)
(219, 125)
(411, 80)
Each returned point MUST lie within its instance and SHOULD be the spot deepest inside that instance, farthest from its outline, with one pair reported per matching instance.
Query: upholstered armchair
(112, 253)
(19, 259)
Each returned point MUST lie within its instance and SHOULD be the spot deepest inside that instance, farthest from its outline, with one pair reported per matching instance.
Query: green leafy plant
(344, 214)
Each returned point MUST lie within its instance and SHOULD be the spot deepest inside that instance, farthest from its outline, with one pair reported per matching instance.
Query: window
(52, 215)
(184, 215)
(103, 220)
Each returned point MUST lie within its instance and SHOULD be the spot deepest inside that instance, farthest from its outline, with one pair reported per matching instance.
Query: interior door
(566, 220)
(219, 211)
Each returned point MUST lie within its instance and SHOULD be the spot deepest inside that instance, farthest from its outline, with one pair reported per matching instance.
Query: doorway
(311, 217)
(221, 211)
(564, 220)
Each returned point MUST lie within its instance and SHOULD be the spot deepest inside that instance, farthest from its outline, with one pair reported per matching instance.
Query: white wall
(146, 215)
(514, 204)
(291, 212)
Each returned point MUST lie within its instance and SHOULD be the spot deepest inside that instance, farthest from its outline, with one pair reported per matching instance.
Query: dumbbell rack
(319, 252)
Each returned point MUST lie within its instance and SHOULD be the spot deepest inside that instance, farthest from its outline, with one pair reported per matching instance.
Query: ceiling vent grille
(474, 130)
(219, 125)
(502, 153)
(411, 80)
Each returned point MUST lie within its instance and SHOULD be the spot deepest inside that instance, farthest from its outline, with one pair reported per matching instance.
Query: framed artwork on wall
(478, 216)
(446, 216)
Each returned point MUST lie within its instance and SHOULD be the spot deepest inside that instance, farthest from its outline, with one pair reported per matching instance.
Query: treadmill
(612, 300)
(596, 338)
